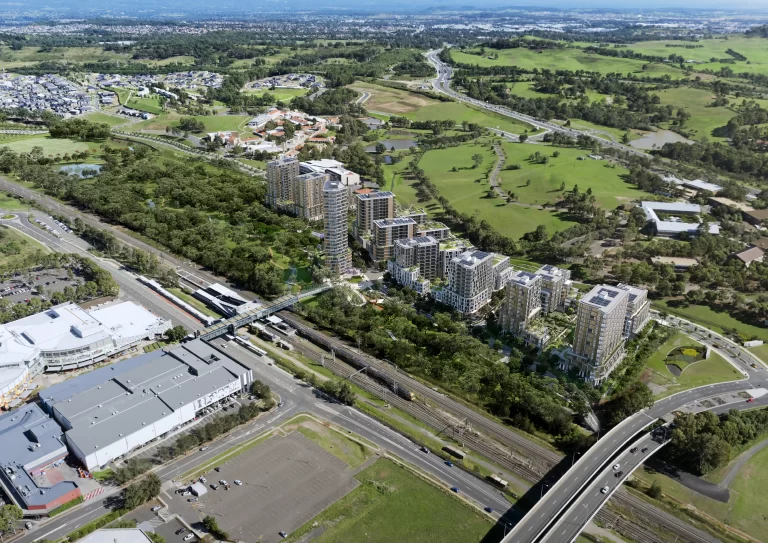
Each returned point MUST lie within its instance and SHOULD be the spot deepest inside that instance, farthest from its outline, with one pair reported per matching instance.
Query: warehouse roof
(117, 535)
(138, 392)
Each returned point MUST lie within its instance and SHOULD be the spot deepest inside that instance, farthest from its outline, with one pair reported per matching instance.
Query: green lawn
(459, 112)
(51, 146)
(712, 319)
(599, 175)
(761, 352)
(705, 372)
(391, 504)
(281, 95)
(111, 120)
(213, 123)
(9, 203)
(704, 119)
(571, 59)
(194, 302)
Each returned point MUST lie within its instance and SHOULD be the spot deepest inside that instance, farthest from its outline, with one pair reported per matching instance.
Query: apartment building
(336, 243)
(448, 250)
(434, 229)
(638, 310)
(598, 343)
(281, 174)
(522, 302)
(415, 263)
(308, 195)
(555, 285)
(502, 271)
(470, 282)
(386, 232)
(372, 206)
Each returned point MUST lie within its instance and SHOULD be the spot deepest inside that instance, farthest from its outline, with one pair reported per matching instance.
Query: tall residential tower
(336, 243)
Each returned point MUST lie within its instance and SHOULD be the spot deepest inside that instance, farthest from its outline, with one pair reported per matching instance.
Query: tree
(626, 138)
(381, 148)
(477, 159)
(9, 516)
(260, 390)
(176, 334)
(556, 154)
(213, 527)
(523, 138)
(654, 491)
(562, 186)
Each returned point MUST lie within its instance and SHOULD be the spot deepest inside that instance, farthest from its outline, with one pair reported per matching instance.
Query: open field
(350, 452)
(27, 56)
(599, 175)
(393, 101)
(281, 95)
(111, 120)
(572, 59)
(761, 352)
(9, 203)
(51, 146)
(705, 372)
(212, 122)
(391, 504)
(467, 189)
(715, 320)
(704, 119)
(443, 111)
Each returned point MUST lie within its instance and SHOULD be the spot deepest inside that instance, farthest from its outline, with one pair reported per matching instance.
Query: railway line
(532, 472)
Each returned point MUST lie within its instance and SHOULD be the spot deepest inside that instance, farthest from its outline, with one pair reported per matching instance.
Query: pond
(78, 169)
(656, 140)
(399, 145)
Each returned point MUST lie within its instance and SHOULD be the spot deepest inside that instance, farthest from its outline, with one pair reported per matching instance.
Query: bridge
(229, 326)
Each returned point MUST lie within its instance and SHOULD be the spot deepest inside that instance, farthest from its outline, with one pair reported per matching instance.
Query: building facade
(308, 195)
(336, 242)
(281, 174)
(372, 206)
(470, 282)
(598, 342)
(386, 232)
(555, 285)
(638, 310)
(522, 302)
(415, 263)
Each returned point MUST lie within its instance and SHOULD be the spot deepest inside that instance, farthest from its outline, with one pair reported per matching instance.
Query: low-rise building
(673, 226)
(750, 255)
(108, 412)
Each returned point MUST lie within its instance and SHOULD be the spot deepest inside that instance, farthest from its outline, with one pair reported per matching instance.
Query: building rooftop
(698, 184)
(731, 203)
(282, 160)
(117, 535)
(524, 278)
(604, 297)
(104, 405)
(372, 195)
(396, 221)
(30, 439)
(415, 242)
(471, 259)
(750, 255)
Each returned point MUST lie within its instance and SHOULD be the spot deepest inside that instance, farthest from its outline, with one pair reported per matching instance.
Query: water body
(78, 169)
(656, 140)
(399, 145)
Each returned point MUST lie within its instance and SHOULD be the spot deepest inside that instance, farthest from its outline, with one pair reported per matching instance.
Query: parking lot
(287, 480)
(23, 287)
(160, 522)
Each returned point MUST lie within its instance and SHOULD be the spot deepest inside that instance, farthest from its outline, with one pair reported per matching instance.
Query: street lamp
(573, 461)
(542, 490)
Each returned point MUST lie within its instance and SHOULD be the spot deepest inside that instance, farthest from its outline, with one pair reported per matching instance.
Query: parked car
(283, 534)
(238, 482)
(28, 525)
(156, 508)
(186, 493)
(180, 531)
(222, 482)
(214, 486)
(217, 469)
(188, 537)
(203, 480)
(192, 500)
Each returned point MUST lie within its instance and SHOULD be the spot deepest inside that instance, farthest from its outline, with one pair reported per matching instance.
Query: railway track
(533, 473)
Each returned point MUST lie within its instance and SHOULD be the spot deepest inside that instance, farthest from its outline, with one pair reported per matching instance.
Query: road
(297, 398)
(129, 286)
(557, 498)
(442, 84)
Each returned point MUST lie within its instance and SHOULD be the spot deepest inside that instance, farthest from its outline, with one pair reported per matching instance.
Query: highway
(297, 398)
(130, 288)
(442, 84)
(537, 521)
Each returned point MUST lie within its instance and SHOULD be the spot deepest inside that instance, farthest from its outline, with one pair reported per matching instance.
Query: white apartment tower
(522, 302)
(470, 281)
(598, 341)
(336, 243)
(555, 284)
(281, 174)
(638, 310)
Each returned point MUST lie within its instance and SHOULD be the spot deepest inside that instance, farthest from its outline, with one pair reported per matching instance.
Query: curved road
(442, 84)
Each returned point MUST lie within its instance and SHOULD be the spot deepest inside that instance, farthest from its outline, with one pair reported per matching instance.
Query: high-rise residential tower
(336, 243)
(281, 174)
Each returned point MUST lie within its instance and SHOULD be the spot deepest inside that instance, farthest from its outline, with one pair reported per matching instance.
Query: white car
(28, 525)
(222, 482)
(616, 467)
(604, 490)
(203, 480)
(156, 508)
(238, 482)
(186, 493)
(188, 537)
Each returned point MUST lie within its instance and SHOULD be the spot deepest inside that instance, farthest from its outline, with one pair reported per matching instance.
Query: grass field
(9, 203)
(443, 111)
(705, 372)
(469, 196)
(603, 178)
(761, 352)
(15, 246)
(572, 59)
(213, 123)
(281, 95)
(712, 319)
(391, 504)
(111, 120)
(393, 101)
(51, 146)
(704, 119)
